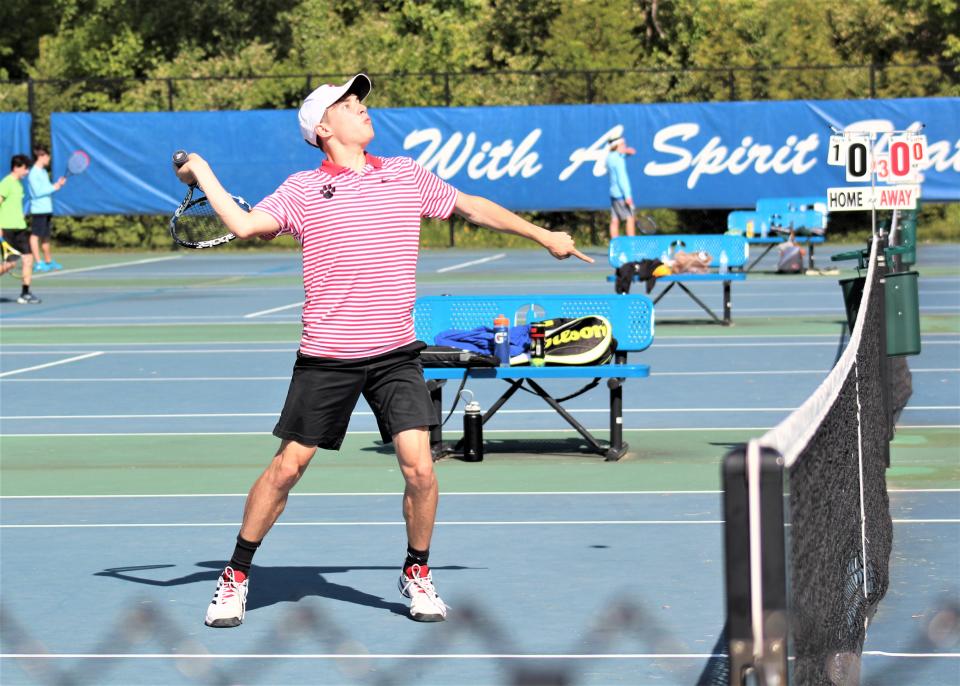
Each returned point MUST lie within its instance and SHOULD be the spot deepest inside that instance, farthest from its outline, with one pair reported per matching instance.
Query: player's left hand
(561, 246)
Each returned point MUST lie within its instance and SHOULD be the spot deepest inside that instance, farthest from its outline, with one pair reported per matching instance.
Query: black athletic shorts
(19, 239)
(324, 391)
(40, 225)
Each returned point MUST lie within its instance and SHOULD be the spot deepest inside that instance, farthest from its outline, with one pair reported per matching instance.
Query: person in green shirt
(13, 224)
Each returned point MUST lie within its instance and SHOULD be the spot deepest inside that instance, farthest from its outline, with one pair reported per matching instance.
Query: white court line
(884, 653)
(586, 410)
(155, 434)
(161, 525)
(128, 349)
(351, 494)
(472, 263)
(177, 351)
(219, 379)
(567, 522)
(42, 275)
(364, 493)
(25, 324)
(273, 309)
(51, 364)
(405, 656)
(720, 343)
(358, 656)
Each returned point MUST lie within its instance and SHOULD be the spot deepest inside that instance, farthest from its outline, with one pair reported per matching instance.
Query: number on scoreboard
(837, 152)
(859, 160)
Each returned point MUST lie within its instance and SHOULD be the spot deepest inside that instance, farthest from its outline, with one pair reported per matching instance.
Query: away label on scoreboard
(872, 198)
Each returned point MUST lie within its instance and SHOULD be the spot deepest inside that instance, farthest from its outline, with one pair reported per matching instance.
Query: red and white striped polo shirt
(360, 235)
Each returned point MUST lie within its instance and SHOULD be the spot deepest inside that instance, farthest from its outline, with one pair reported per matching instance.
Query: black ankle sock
(24, 290)
(416, 557)
(243, 555)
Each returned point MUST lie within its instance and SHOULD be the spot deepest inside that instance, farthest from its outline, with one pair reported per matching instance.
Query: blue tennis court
(137, 405)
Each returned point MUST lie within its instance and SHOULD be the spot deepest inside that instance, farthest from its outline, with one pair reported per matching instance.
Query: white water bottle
(724, 262)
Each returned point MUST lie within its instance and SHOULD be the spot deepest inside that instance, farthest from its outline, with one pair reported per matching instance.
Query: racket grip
(179, 158)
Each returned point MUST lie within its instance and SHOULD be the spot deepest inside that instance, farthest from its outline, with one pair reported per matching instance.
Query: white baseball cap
(312, 109)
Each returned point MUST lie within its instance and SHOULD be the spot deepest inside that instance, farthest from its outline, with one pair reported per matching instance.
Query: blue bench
(775, 218)
(636, 248)
(632, 320)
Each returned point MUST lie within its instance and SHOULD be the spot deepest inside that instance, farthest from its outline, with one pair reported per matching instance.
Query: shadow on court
(525, 447)
(275, 584)
(729, 445)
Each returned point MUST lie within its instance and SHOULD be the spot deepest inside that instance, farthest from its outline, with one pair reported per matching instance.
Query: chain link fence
(41, 97)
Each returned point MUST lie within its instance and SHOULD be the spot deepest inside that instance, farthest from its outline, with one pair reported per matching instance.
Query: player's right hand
(185, 172)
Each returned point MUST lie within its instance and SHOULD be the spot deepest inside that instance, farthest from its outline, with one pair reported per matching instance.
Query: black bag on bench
(448, 356)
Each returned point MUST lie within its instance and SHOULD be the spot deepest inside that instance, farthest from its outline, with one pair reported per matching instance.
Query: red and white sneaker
(416, 583)
(229, 601)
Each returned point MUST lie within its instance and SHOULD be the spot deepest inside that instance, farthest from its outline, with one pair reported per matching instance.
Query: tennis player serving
(357, 218)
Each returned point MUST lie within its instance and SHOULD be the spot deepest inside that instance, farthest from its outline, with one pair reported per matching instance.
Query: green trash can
(852, 295)
(902, 302)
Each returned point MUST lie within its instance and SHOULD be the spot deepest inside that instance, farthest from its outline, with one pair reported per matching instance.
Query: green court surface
(661, 460)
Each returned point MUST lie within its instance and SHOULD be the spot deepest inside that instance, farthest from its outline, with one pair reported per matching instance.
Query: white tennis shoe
(416, 583)
(229, 601)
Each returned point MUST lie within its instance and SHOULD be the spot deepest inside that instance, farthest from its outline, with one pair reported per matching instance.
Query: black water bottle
(472, 432)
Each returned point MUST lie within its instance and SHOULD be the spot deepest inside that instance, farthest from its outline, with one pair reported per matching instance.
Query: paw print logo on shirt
(328, 191)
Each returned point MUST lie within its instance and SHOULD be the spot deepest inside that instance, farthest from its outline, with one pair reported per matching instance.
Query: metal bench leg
(435, 386)
(703, 305)
(664, 292)
(762, 255)
(594, 443)
(617, 447)
(726, 303)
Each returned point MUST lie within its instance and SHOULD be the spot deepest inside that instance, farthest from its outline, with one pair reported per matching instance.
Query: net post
(774, 568)
(755, 566)
(737, 564)
(884, 363)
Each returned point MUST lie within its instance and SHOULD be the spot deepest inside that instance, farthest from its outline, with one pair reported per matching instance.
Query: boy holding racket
(357, 218)
(13, 225)
(41, 209)
(621, 195)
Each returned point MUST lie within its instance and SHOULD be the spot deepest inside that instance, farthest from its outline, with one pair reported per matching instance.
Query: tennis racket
(195, 224)
(78, 163)
(646, 225)
(12, 256)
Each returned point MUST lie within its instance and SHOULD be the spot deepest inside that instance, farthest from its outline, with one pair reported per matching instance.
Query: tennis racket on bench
(195, 224)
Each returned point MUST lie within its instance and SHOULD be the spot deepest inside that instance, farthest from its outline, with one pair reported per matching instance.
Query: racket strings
(199, 222)
(78, 163)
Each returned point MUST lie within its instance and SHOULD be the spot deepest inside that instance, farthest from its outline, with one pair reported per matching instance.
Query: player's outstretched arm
(239, 222)
(483, 212)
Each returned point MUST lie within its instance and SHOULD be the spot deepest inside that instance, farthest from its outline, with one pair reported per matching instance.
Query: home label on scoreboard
(857, 198)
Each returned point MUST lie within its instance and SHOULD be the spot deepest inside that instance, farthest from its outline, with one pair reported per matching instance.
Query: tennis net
(810, 588)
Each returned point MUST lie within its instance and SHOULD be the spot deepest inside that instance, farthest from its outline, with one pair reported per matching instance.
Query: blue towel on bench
(480, 340)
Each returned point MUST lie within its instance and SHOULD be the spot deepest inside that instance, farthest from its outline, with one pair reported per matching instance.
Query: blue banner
(14, 138)
(720, 155)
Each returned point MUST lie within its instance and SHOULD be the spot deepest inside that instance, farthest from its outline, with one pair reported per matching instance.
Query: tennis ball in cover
(662, 270)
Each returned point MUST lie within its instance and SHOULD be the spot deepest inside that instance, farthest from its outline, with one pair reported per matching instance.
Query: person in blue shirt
(621, 195)
(41, 209)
